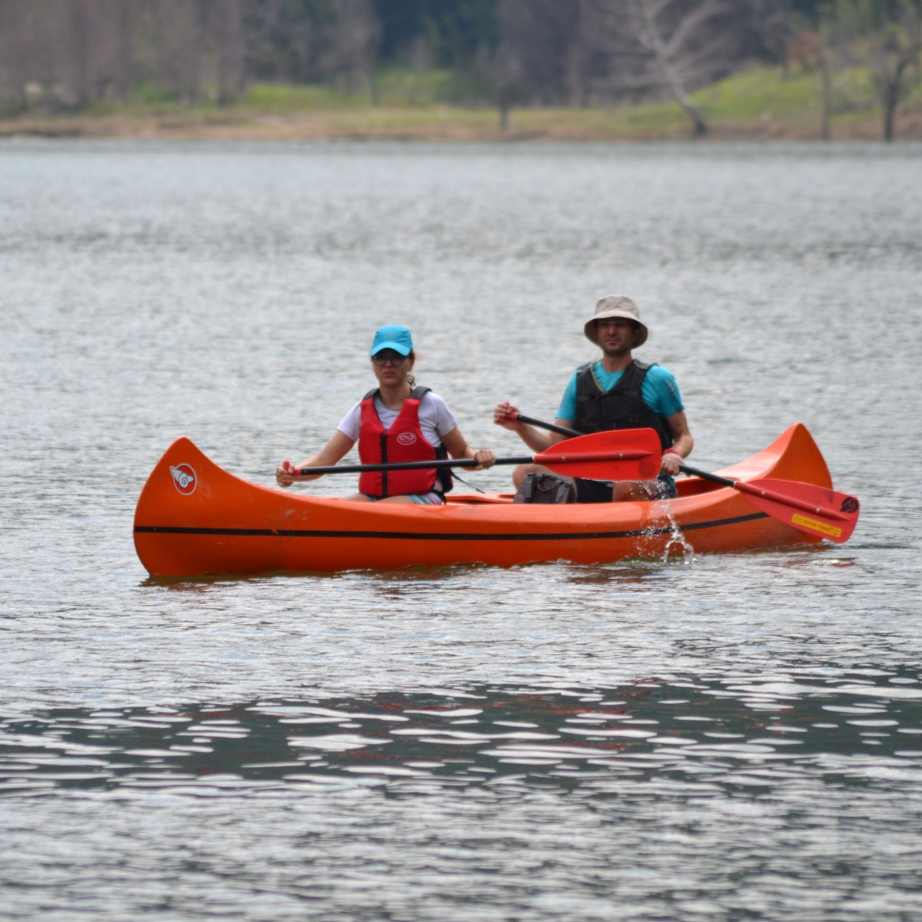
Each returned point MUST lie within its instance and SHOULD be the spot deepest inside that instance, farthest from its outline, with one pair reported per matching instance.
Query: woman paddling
(395, 422)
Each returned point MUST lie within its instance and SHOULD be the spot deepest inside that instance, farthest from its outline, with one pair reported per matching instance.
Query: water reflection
(736, 732)
(634, 573)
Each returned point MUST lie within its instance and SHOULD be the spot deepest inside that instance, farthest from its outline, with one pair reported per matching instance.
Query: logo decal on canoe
(849, 504)
(183, 478)
(821, 527)
(406, 438)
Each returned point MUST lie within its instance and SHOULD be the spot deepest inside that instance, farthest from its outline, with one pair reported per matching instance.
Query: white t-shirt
(435, 419)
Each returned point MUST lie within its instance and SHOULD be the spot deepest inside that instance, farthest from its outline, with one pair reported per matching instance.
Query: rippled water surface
(734, 737)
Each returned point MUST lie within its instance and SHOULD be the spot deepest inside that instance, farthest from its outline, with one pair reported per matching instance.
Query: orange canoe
(195, 518)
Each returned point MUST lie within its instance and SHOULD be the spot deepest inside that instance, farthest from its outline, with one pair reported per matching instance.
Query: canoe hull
(194, 518)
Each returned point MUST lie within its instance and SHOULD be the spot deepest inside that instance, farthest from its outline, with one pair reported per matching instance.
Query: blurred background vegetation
(568, 68)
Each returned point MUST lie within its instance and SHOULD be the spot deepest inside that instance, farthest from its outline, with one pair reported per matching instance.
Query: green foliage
(863, 17)
(150, 94)
(395, 86)
(10, 107)
(763, 93)
(810, 10)
(757, 91)
(401, 85)
(275, 97)
(455, 30)
(457, 34)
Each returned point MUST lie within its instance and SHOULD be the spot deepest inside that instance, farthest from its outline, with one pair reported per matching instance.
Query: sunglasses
(387, 357)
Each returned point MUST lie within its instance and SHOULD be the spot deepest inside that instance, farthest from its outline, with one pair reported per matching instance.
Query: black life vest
(404, 441)
(623, 407)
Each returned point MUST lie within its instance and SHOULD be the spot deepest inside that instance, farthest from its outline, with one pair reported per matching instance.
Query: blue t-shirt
(660, 391)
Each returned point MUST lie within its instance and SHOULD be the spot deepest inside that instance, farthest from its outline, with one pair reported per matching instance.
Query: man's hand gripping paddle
(627, 455)
(815, 510)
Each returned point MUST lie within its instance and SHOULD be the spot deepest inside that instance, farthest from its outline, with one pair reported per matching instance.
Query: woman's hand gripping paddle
(818, 511)
(625, 455)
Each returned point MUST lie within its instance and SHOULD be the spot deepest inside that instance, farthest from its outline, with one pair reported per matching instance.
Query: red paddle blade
(625, 454)
(815, 510)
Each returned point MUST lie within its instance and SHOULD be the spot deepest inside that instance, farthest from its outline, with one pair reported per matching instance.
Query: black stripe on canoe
(439, 536)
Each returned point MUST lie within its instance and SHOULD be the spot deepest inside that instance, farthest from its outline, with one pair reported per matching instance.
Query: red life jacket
(404, 441)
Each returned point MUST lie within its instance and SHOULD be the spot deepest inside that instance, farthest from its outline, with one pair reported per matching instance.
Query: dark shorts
(600, 491)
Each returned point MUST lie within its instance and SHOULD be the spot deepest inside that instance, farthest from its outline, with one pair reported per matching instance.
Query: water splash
(677, 538)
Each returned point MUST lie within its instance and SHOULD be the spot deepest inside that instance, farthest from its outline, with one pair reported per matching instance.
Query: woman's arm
(330, 454)
(457, 447)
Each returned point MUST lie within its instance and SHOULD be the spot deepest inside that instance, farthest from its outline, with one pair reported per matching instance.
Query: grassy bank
(759, 104)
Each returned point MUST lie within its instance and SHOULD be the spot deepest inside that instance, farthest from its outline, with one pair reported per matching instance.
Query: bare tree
(576, 51)
(16, 63)
(170, 51)
(674, 45)
(834, 60)
(68, 52)
(541, 55)
(580, 48)
(280, 42)
(226, 28)
(826, 77)
(349, 45)
(78, 23)
(885, 36)
(671, 55)
(772, 24)
(893, 59)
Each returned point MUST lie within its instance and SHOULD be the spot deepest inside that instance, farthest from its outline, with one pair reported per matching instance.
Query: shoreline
(440, 124)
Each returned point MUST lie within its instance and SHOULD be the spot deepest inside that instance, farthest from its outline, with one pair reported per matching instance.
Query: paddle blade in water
(815, 510)
(625, 454)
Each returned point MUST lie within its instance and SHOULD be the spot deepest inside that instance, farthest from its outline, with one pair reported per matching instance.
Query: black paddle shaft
(541, 424)
(405, 466)
(704, 475)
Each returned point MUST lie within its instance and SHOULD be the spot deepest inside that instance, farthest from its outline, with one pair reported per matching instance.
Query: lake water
(733, 737)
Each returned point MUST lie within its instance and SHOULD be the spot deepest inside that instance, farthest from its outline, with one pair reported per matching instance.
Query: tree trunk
(691, 110)
(890, 101)
(897, 58)
(80, 40)
(125, 53)
(826, 74)
(230, 49)
(892, 91)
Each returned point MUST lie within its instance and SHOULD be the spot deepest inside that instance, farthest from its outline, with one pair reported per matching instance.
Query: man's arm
(536, 439)
(683, 443)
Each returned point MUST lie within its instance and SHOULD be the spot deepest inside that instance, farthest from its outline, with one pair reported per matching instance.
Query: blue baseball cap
(393, 337)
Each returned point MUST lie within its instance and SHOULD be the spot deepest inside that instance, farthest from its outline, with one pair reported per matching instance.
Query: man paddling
(614, 392)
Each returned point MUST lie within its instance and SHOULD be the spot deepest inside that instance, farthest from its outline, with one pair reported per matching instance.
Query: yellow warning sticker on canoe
(817, 526)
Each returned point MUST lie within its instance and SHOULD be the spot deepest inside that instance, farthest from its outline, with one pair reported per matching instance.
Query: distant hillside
(72, 57)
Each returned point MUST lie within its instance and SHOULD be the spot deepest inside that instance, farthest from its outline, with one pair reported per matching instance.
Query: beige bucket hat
(617, 306)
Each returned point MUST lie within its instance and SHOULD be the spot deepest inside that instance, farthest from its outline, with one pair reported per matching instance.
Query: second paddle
(628, 455)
